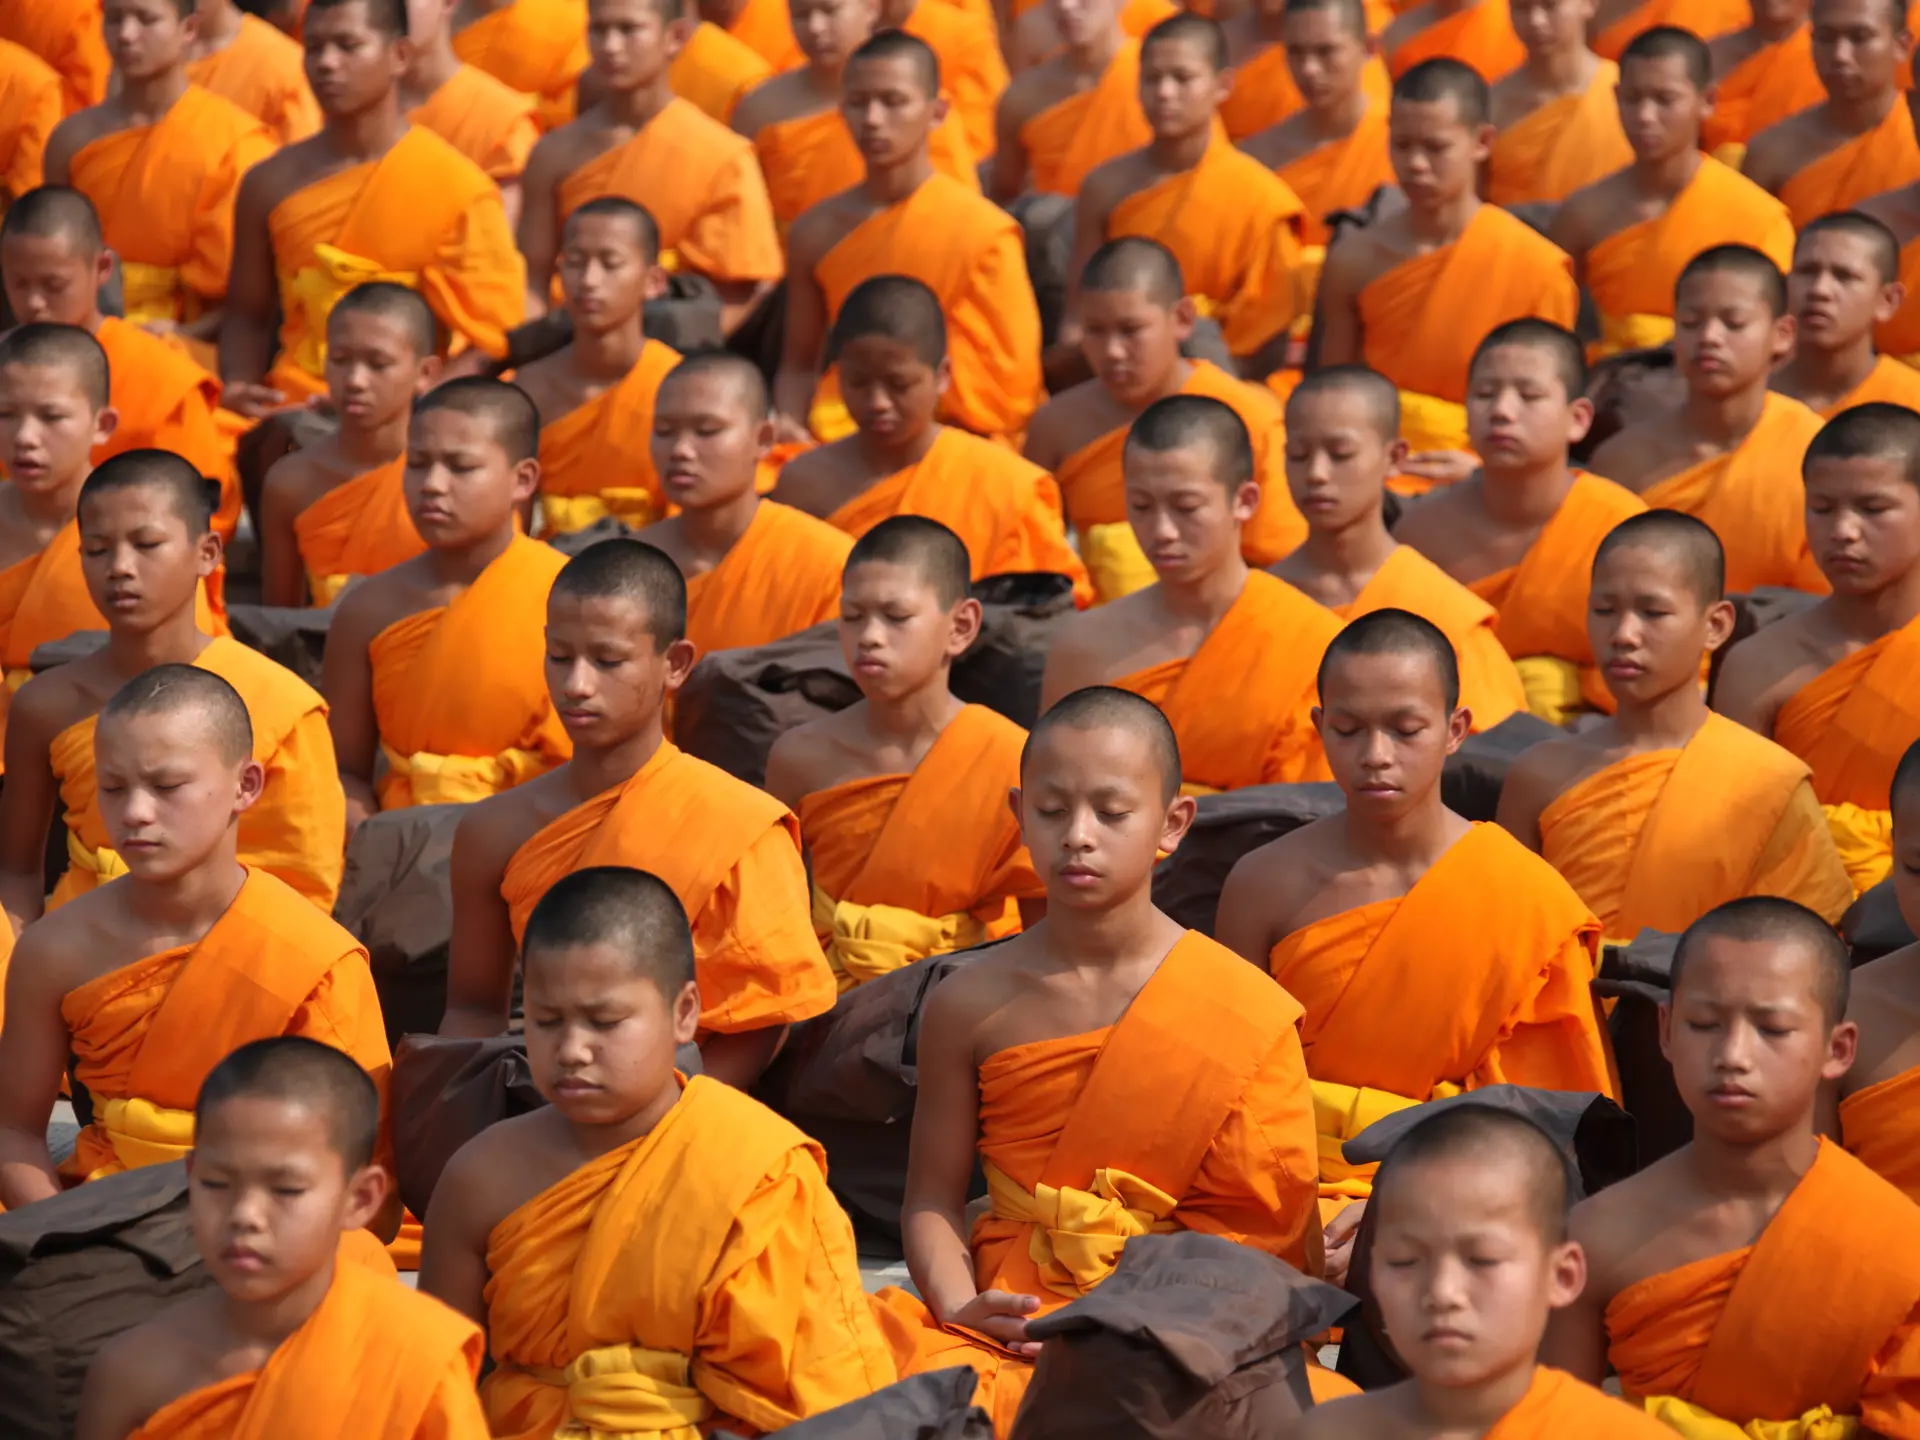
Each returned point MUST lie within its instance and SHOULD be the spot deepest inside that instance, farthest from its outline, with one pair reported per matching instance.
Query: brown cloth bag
(396, 896)
(935, 1406)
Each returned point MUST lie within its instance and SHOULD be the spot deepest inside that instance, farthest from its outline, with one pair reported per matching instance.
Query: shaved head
(55, 212)
(627, 569)
(1184, 422)
(741, 373)
(1441, 78)
(1203, 34)
(188, 493)
(1879, 240)
(200, 705)
(1382, 396)
(1482, 1136)
(1738, 260)
(46, 346)
(1770, 920)
(1878, 431)
(1906, 774)
(928, 548)
(627, 910)
(899, 45)
(1106, 707)
(1668, 42)
(506, 409)
(1569, 356)
(1689, 542)
(397, 304)
(896, 308)
(1135, 264)
(1352, 13)
(389, 17)
(646, 232)
(303, 1073)
(1395, 632)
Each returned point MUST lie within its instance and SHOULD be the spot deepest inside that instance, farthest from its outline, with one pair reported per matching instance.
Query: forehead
(135, 503)
(890, 577)
(624, 614)
(624, 12)
(455, 429)
(20, 380)
(602, 230)
(1424, 117)
(297, 1130)
(1175, 52)
(876, 350)
(1401, 678)
(1316, 26)
(1874, 13)
(1858, 473)
(1338, 408)
(1835, 245)
(885, 72)
(1195, 460)
(1487, 1188)
(595, 971)
(1726, 286)
(1086, 758)
(1661, 70)
(704, 392)
(1124, 302)
(1518, 361)
(366, 328)
(181, 736)
(336, 22)
(1726, 971)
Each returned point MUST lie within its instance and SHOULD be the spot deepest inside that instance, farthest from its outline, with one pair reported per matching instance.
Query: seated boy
(1074, 109)
(1845, 282)
(1556, 118)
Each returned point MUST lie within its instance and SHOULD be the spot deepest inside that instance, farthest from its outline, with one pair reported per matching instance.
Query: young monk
(1342, 444)
(1762, 74)
(644, 1245)
(29, 109)
(1470, 1258)
(1045, 1061)
(1211, 626)
(890, 346)
(1665, 810)
(1326, 41)
(1861, 141)
(1478, 33)
(1343, 912)
(905, 219)
(149, 982)
(699, 180)
(1830, 683)
(1557, 119)
(617, 649)
(370, 197)
(66, 35)
(1396, 294)
(1700, 1291)
(337, 509)
(1843, 285)
(282, 1177)
(1134, 315)
(1077, 109)
(482, 117)
(539, 47)
(242, 58)
(1726, 451)
(435, 664)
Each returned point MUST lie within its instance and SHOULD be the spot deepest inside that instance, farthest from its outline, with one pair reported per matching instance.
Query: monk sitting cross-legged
(1759, 1273)
(649, 1254)
(902, 796)
(616, 649)
(1284, 52)
(435, 664)
(487, 121)
(265, 1352)
(890, 346)
(1047, 1061)
(1556, 118)
(1061, 119)
(1344, 911)
(1210, 627)
(242, 58)
(1665, 810)
(1762, 74)
(1844, 283)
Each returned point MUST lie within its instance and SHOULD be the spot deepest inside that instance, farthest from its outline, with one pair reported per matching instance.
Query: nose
(1377, 753)
(575, 1047)
(576, 679)
(120, 561)
(1156, 524)
(138, 808)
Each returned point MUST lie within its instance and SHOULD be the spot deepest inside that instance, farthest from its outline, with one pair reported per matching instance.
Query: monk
(1478, 33)
(435, 664)
(1135, 315)
(263, 1352)
(910, 845)
(1699, 1292)
(29, 109)
(482, 117)
(1522, 532)
(617, 648)
(1830, 683)
(654, 1250)
(1844, 285)
(1469, 1182)
(1289, 57)
(699, 180)
(538, 47)
(146, 983)
(1396, 294)
(1726, 451)
(1556, 119)
(595, 394)
(242, 58)
(756, 570)
(903, 218)
(370, 197)
(1356, 899)
(1665, 809)
(890, 344)
(337, 509)
(66, 34)
(972, 68)
(1061, 119)
(1210, 626)
(1342, 444)
(1014, 1064)
(1762, 74)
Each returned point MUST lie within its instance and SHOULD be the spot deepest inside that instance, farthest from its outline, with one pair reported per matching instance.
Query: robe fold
(782, 575)
(597, 459)
(768, 28)
(1066, 141)
(1341, 175)
(360, 527)
(1480, 34)
(1655, 841)
(1190, 1112)
(485, 119)
(1264, 92)
(813, 158)
(1900, 336)
(730, 852)
(167, 402)
(1708, 19)
(696, 1277)
(1422, 319)
(422, 215)
(1889, 382)
(714, 70)
(539, 47)
(1774, 82)
(1885, 158)
(460, 690)
(1876, 1126)
(1569, 142)
(907, 866)
(973, 74)
(1559, 1407)
(263, 71)
(29, 109)
(66, 34)
(1814, 1319)
(1266, 653)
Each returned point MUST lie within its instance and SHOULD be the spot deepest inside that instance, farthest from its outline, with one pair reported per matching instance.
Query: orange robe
(263, 72)
(167, 402)
(1876, 1125)
(1559, 1407)
(1900, 336)
(702, 185)
(460, 691)
(1753, 498)
(1490, 686)
(1341, 175)
(539, 47)
(67, 35)
(1264, 92)
(424, 215)
(1819, 1312)
(781, 576)
(907, 866)
(359, 528)
(1005, 509)
(768, 28)
(1065, 142)
(1421, 320)
(695, 1278)
(485, 119)
(1885, 158)
(1774, 82)
(1706, 18)
(714, 70)
(1266, 652)
(973, 73)
(811, 158)
(597, 459)
(1889, 382)
(732, 855)
(1656, 840)
(1480, 34)
(1551, 152)
(29, 109)
(1085, 1143)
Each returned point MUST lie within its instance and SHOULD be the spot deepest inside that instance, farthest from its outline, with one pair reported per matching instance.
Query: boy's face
(1337, 459)
(48, 427)
(1324, 57)
(1179, 88)
(146, 37)
(1726, 338)
(888, 109)
(1863, 522)
(1519, 416)
(1551, 27)
(630, 44)
(601, 1036)
(606, 673)
(1647, 626)
(1436, 155)
(707, 442)
(1661, 109)
(166, 793)
(1835, 291)
(351, 64)
(49, 278)
(1132, 342)
(890, 392)
(896, 634)
(1387, 731)
(140, 561)
(1093, 816)
(605, 273)
(460, 485)
(1080, 22)
(1186, 520)
(373, 371)
(1858, 50)
(828, 31)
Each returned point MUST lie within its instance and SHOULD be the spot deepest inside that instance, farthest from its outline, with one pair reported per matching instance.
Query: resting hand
(1000, 1315)
(1341, 1231)
(1442, 467)
(256, 402)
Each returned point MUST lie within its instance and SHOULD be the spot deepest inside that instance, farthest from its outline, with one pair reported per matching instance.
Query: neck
(434, 64)
(893, 183)
(1532, 497)
(1767, 1170)
(1668, 721)
(1182, 152)
(826, 78)
(1879, 612)
(1445, 221)
(638, 106)
(269, 1322)
(1095, 937)
(1354, 551)
(51, 508)
(595, 771)
(177, 640)
(1093, 57)
(1726, 420)
(218, 24)
(1172, 383)
(195, 900)
(717, 529)
(375, 445)
(1212, 595)
(899, 454)
(1341, 117)
(1271, 27)
(1559, 70)
(1667, 174)
(1857, 117)
(1830, 374)
(1779, 30)
(1416, 836)
(597, 1140)
(372, 132)
(1478, 1408)
(152, 96)
(608, 354)
(908, 719)
(463, 565)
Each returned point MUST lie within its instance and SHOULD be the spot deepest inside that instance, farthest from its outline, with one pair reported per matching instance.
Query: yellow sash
(316, 289)
(865, 942)
(1078, 1234)
(1864, 839)
(17, 678)
(1341, 1112)
(1552, 686)
(1621, 333)
(142, 1133)
(1429, 423)
(619, 1391)
(326, 589)
(1697, 1424)
(105, 863)
(153, 292)
(426, 779)
(1115, 560)
(634, 506)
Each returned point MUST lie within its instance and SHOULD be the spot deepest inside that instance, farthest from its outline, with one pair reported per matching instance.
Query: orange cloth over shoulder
(1264, 92)
(263, 71)
(359, 528)
(460, 691)
(1706, 18)
(713, 70)
(1774, 82)
(1551, 152)
(1085, 1143)
(1559, 1407)
(539, 47)
(167, 402)
(781, 576)
(1884, 158)
(1889, 382)
(813, 158)
(1480, 33)
(30, 106)
(1818, 1312)
(768, 28)
(485, 119)
(1065, 142)
(732, 855)
(67, 35)
(1876, 1125)
(1341, 175)
(972, 72)
(700, 1277)
(1900, 336)
(597, 459)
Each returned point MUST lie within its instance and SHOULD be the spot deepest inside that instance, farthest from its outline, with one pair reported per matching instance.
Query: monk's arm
(453, 1251)
(1064, 362)
(786, 774)
(1742, 690)
(246, 333)
(33, 1055)
(127, 1381)
(1072, 664)
(538, 228)
(1522, 798)
(940, 1156)
(26, 806)
(346, 679)
(1337, 335)
(283, 579)
(1004, 176)
(740, 1058)
(480, 959)
(806, 332)
(1245, 919)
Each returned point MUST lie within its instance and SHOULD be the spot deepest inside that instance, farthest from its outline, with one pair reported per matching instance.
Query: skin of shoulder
(1637, 451)
(770, 102)
(1085, 648)
(961, 1005)
(299, 478)
(1540, 776)
(1352, 1417)
(1885, 1004)
(1032, 92)
(1268, 888)
(75, 133)
(802, 761)
(1582, 217)
(1106, 186)
(807, 482)
(281, 174)
(142, 1370)
(1429, 521)
(821, 228)
(1778, 151)
(1767, 669)
(1071, 420)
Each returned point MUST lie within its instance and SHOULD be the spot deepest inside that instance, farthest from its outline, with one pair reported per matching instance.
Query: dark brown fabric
(1192, 1337)
(1225, 827)
(605, 528)
(77, 1270)
(1634, 978)
(1755, 612)
(1022, 617)
(1873, 925)
(736, 703)
(293, 636)
(935, 1406)
(77, 646)
(396, 897)
(1471, 782)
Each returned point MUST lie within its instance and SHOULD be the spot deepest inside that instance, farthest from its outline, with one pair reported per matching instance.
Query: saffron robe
(768, 28)
(29, 109)
(1706, 18)
(460, 690)
(1774, 82)
(1067, 141)
(263, 71)
(1480, 34)
(1889, 382)
(1264, 93)
(422, 214)
(696, 1277)
(1885, 158)
(714, 70)
(813, 158)
(359, 528)
(1559, 1407)
(539, 47)
(782, 575)
(973, 74)
(67, 35)
(1876, 1125)
(1189, 1112)
(1569, 142)
(1340, 175)
(597, 459)
(1656, 840)
(732, 855)
(167, 402)
(485, 119)
(1900, 336)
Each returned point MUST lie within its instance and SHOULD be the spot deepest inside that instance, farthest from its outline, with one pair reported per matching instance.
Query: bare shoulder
(1631, 457)
(1620, 1222)
(1353, 1417)
(300, 477)
(282, 173)
(1884, 1001)
(67, 947)
(142, 1370)
(1427, 524)
(1765, 670)
(821, 227)
(57, 698)
(807, 758)
(806, 482)
(1031, 92)
(964, 1002)
(1779, 150)
(768, 102)
(1088, 644)
(1278, 879)
(79, 130)
(1067, 422)
(379, 601)
(1361, 254)
(502, 1168)
(1108, 184)
(563, 150)
(492, 830)
(1547, 770)
(1582, 216)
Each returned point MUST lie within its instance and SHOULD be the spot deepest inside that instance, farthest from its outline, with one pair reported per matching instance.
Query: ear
(1892, 296)
(1566, 1274)
(367, 1190)
(1185, 317)
(251, 781)
(428, 374)
(1459, 726)
(1179, 820)
(207, 550)
(943, 375)
(686, 1013)
(526, 480)
(964, 627)
(1246, 501)
(1579, 419)
(1666, 1031)
(403, 53)
(105, 422)
(1720, 622)
(103, 268)
(680, 658)
(1319, 718)
(763, 438)
(674, 38)
(1785, 331)
(937, 113)
(1842, 1045)
(655, 285)
(1013, 805)
(1483, 141)
(1397, 453)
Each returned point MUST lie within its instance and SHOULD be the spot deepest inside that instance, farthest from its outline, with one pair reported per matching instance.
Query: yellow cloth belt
(1078, 1234)
(865, 942)
(315, 289)
(142, 1133)
(1621, 333)
(1341, 1112)
(1194, 789)
(105, 863)
(1864, 839)
(1306, 285)
(632, 505)
(1697, 1424)
(626, 1390)
(460, 779)
(17, 678)
(1115, 560)
(326, 589)
(1204, 307)
(152, 292)
(1429, 423)
(1552, 686)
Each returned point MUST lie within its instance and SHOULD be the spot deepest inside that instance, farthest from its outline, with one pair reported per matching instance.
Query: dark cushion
(935, 1406)
(396, 897)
